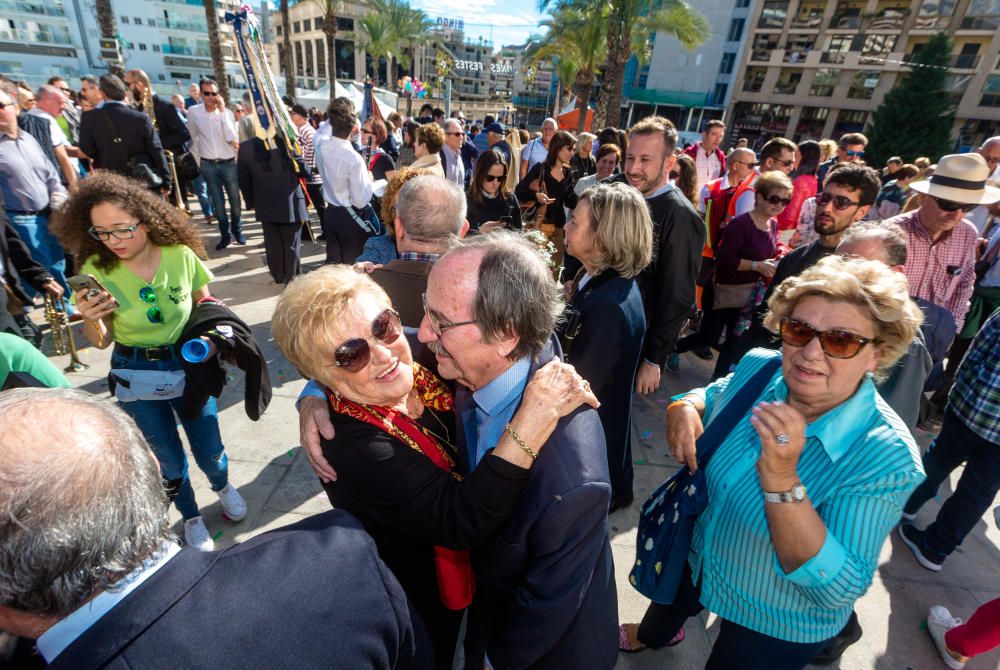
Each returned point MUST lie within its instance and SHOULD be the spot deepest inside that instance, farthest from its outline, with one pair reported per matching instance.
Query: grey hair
(515, 294)
(552, 121)
(892, 237)
(432, 209)
(82, 502)
(48, 91)
(452, 123)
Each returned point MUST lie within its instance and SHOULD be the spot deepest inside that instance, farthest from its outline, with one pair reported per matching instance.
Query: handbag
(533, 216)
(187, 166)
(667, 518)
(728, 296)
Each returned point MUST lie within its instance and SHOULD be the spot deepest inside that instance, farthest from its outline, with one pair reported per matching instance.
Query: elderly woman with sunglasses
(743, 262)
(145, 254)
(804, 489)
(395, 430)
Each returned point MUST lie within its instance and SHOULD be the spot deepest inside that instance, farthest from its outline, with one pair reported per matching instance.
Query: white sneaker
(939, 622)
(196, 535)
(233, 506)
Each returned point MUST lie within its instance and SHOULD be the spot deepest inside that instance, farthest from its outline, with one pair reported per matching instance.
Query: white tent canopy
(354, 91)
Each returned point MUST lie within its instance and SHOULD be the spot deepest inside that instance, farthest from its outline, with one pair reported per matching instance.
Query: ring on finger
(782, 438)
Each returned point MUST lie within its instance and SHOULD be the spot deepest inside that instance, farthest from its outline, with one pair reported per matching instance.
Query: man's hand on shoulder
(314, 421)
(647, 380)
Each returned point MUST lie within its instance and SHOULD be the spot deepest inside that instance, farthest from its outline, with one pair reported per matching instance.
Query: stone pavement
(268, 466)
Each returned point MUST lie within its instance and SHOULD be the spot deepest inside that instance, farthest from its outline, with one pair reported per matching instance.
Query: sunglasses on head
(952, 206)
(840, 202)
(855, 154)
(835, 343)
(492, 177)
(353, 355)
(778, 200)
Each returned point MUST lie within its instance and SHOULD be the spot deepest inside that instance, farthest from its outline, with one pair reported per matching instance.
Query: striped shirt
(305, 136)
(942, 272)
(859, 465)
(975, 397)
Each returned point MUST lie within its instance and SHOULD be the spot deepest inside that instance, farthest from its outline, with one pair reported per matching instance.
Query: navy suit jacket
(269, 183)
(310, 595)
(138, 140)
(545, 585)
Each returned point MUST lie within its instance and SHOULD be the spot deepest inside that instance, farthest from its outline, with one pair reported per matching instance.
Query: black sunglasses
(835, 343)
(491, 177)
(784, 163)
(353, 355)
(840, 202)
(778, 200)
(210, 94)
(952, 206)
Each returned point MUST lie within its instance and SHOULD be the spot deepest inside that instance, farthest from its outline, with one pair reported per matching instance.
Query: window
(307, 25)
(788, 81)
(299, 66)
(934, 14)
(809, 15)
(124, 19)
(754, 79)
(798, 47)
(320, 59)
(875, 48)
(728, 60)
(847, 16)
(850, 121)
(863, 84)
(773, 14)
(719, 95)
(142, 47)
(991, 92)
(150, 22)
(812, 120)
(156, 48)
(161, 77)
(310, 66)
(297, 27)
(763, 45)
(278, 30)
(825, 81)
(982, 15)
(836, 47)
(345, 23)
(137, 20)
(736, 30)
(742, 3)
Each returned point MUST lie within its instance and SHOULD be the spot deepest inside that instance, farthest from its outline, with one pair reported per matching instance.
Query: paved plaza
(270, 470)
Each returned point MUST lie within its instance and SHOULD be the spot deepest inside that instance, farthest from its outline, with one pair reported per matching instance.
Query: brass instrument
(62, 334)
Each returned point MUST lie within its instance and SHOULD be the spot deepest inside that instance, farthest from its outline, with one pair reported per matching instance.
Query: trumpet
(62, 334)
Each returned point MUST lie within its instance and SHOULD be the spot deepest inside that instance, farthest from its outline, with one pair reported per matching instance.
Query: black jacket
(667, 283)
(99, 128)
(18, 265)
(310, 595)
(41, 130)
(492, 209)
(269, 183)
(235, 343)
(173, 132)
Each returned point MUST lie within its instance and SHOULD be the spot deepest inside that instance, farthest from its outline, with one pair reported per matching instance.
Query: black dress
(408, 505)
(492, 209)
(561, 191)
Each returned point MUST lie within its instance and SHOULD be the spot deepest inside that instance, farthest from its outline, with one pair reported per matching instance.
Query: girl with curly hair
(146, 254)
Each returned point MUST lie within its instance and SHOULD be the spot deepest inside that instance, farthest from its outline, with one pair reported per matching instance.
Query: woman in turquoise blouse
(806, 488)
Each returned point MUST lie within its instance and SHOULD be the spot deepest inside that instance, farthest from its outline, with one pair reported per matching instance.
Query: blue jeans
(201, 192)
(221, 177)
(979, 484)
(158, 422)
(43, 246)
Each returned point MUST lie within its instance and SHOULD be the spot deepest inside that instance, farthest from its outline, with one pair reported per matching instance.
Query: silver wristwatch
(796, 494)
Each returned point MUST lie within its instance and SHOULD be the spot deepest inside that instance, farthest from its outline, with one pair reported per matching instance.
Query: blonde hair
(307, 310)
(623, 228)
(827, 148)
(581, 141)
(771, 181)
(870, 285)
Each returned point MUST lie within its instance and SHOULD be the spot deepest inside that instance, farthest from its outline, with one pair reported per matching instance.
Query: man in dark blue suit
(100, 582)
(545, 585)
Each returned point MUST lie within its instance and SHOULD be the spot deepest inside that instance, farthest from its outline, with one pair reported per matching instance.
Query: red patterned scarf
(454, 571)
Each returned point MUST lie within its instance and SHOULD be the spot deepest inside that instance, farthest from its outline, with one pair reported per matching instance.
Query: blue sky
(503, 21)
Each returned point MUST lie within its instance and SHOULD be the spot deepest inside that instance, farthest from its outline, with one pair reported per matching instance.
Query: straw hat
(960, 178)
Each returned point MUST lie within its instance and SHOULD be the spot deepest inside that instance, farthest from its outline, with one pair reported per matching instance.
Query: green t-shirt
(180, 272)
(17, 355)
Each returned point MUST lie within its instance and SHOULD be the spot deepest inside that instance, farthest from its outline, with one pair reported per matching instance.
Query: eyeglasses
(835, 343)
(747, 163)
(840, 202)
(4, 105)
(951, 206)
(855, 154)
(148, 295)
(778, 200)
(353, 355)
(784, 163)
(64, 90)
(492, 177)
(437, 325)
(209, 94)
(118, 233)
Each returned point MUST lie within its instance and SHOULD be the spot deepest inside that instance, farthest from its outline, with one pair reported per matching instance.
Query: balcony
(43, 7)
(186, 51)
(889, 19)
(845, 22)
(808, 16)
(836, 57)
(191, 26)
(786, 87)
(965, 61)
(990, 23)
(34, 36)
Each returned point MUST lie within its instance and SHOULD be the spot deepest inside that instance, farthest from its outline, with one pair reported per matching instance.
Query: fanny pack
(131, 385)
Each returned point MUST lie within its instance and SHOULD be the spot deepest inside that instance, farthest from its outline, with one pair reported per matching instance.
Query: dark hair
(486, 160)
(206, 81)
(774, 147)
(488, 119)
(410, 132)
(524, 136)
(300, 110)
(426, 105)
(288, 100)
(165, 224)
(52, 80)
(809, 161)
(713, 123)
(89, 78)
(436, 112)
(606, 149)
(687, 178)
(906, 171)
(475, 128)
(112, 87)
(341, 116)
(378, 130)
(852, 138)
(559, 141)
(857, 177)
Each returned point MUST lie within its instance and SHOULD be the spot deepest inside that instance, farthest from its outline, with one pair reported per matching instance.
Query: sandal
(625, 642)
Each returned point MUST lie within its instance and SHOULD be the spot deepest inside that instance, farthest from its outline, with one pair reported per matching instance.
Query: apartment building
(814, 69)
(309, 59)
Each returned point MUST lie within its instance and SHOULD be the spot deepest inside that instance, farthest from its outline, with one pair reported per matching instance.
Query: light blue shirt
(859, 466)
(56, 639)
(495, 406)
(658, 192)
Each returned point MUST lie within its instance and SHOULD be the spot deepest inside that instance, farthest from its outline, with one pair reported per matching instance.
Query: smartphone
(86, 285)
(507, 221)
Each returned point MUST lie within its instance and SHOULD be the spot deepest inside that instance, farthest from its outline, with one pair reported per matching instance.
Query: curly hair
(870, 285)
(399, 178)
(166, 225)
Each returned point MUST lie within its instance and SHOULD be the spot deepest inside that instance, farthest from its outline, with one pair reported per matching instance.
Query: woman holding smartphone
(145, 257)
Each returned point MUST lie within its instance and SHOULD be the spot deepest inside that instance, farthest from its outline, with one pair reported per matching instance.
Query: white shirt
(56, 639)
(346, 179)
(212, 133)
(58, 136)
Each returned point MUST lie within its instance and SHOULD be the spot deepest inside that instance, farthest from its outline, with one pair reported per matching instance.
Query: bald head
(990, 150)
(740, 163)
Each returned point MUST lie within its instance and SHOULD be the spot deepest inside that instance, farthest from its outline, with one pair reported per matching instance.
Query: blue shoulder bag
(667, 518)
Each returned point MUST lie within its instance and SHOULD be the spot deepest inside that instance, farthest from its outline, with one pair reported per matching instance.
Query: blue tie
(470, 420)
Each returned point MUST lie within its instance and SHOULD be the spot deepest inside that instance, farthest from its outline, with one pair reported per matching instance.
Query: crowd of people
(489, 306)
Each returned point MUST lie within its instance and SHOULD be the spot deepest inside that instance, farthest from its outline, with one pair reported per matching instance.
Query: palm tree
(409, 29)
(215, 44)
(378, 40)
(576, 43)
(329, 9)
(630, 25)
(106, 22)
(287, 65)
